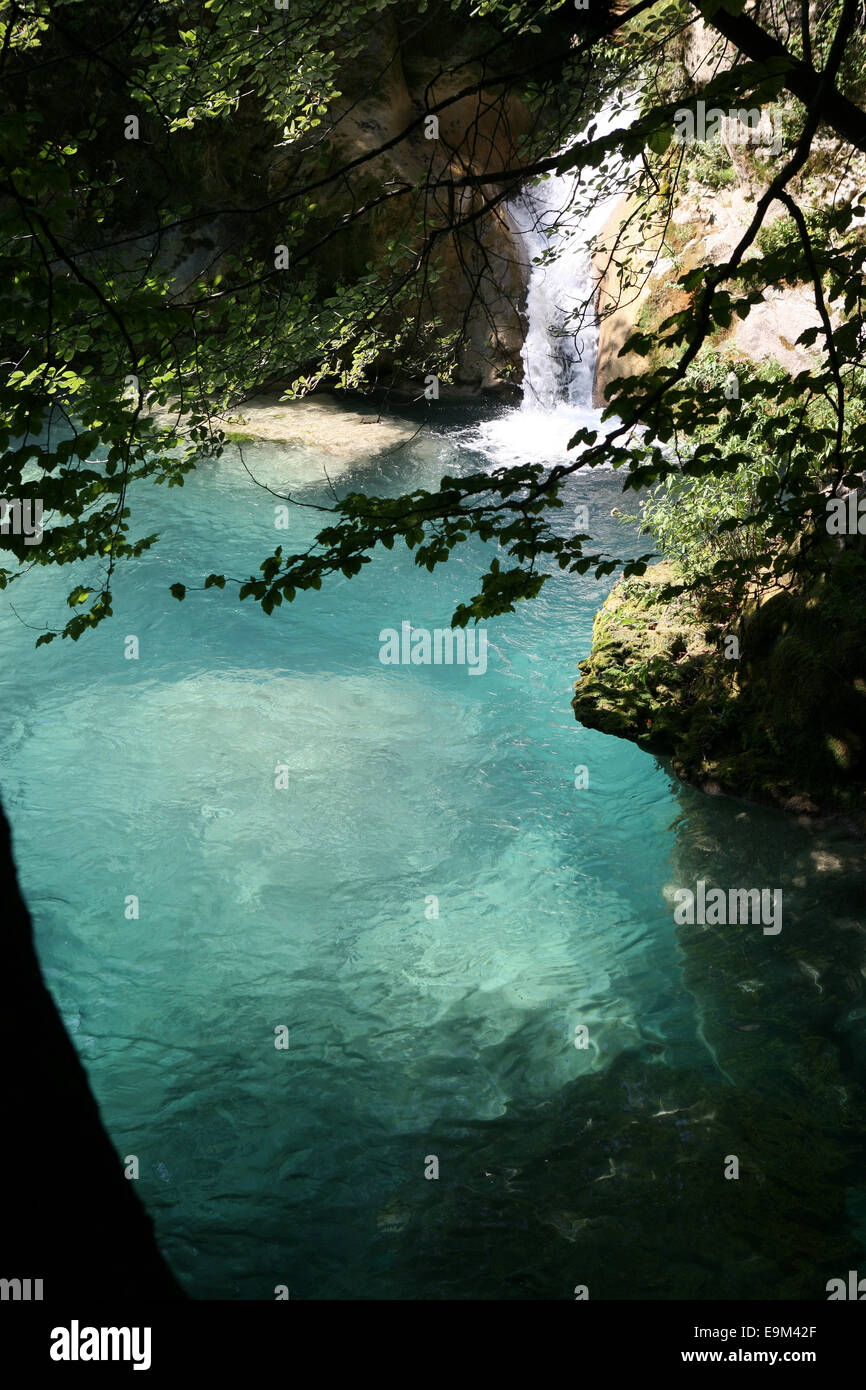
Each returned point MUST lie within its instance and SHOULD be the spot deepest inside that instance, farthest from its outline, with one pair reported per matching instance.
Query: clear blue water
(414, 1035)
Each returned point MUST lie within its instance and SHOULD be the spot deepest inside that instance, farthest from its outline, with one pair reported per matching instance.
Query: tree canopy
(130, 329)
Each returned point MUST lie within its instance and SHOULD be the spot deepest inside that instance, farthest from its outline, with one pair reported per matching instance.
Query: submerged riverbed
(447, 879)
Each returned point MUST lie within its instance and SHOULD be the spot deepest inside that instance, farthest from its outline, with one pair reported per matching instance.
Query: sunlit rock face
(705, 228)
(734, 155)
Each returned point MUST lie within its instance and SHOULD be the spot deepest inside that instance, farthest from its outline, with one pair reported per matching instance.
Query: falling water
(556, 221)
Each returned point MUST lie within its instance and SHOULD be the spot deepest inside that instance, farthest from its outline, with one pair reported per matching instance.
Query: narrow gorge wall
(482, 271)
(375, 162)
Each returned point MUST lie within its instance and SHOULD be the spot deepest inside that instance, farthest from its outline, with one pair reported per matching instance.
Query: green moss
(237, 437)
(783, 724)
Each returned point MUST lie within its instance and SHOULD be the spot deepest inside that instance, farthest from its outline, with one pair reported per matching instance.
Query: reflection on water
(431, 907)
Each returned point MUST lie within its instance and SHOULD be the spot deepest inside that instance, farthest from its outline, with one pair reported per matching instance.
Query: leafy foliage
(715, 525)
(131, 328)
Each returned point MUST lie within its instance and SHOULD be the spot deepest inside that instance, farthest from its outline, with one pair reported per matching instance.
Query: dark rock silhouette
(69, 1216)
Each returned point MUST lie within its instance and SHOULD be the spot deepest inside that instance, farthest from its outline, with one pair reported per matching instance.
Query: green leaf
(658, 140)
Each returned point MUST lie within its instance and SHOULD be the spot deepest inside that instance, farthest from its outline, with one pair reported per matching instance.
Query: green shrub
(689, 515)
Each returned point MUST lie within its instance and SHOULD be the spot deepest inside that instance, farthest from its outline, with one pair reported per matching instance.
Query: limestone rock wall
(637, 265)
(482, 281)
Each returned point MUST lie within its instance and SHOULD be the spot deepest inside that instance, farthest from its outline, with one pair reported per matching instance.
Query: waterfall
(555, 220)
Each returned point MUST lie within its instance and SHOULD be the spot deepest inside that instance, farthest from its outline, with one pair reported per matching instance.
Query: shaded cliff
(357, 194)
(473, 295)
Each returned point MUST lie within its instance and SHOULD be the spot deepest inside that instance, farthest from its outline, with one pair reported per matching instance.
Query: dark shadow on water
(618, 1183)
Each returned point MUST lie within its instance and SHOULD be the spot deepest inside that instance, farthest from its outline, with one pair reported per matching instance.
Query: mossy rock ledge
(783, 724)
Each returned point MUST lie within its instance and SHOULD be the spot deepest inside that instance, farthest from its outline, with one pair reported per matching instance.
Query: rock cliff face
(781, 724)
(641, 253)
(355, 191)
(482, 279)
(704, 228)
(376, 160)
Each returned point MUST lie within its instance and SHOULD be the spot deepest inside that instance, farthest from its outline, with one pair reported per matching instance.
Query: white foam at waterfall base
(556, 220)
